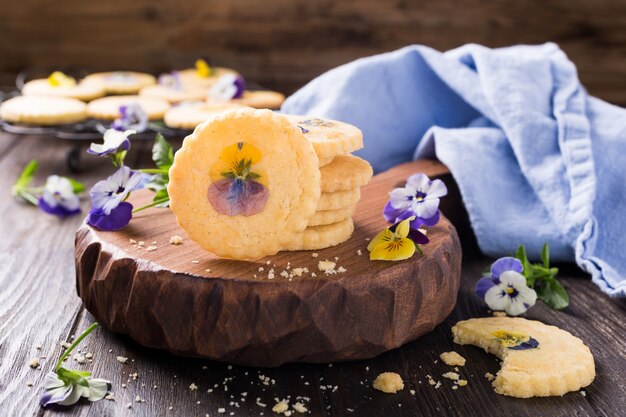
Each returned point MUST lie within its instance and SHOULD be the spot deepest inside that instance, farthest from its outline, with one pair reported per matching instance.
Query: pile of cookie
(249, 183)
(183, 99)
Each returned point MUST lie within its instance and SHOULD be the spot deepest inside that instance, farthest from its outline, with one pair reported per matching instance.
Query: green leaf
(553, 294)
(160, 196)
(545, 255)
(162, 152)
(77, 186)
(25, 178)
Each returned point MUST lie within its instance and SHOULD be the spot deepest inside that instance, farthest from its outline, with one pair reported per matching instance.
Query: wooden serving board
(188, 301)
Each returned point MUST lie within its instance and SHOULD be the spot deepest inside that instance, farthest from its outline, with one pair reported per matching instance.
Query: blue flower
(506, 288)
(228, 87)
(114, 141)
(132, 117)
(58, 197)
(420, 198)
(109, 210)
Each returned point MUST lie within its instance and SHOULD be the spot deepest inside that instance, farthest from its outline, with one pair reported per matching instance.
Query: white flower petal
(437, 189)
(52, 381)
(418, 182)
(97, 389)
(425, 208)
(514, 279)
(77, 392)
(401, 198)
(515, 307)
(495, 298)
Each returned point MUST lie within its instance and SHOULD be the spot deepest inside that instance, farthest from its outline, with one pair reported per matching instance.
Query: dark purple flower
(234, 196)
(58, 197)
(117, 219)
(415, 235)
(419, 197)
(393, 215)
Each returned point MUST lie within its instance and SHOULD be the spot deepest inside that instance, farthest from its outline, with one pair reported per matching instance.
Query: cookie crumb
(300, 408)
(583, 393)
(151, 248)
(499, 314)
(389, 382)
(462, 382)
(326, 266)
(452, 358)
(122, 359)
(110, 396)
(359, 252)
(281, 407)
(195, 261)
(490, 376)
(193, 387)
(298, 273)
(451, 375)
(34, 363)
(176, 240)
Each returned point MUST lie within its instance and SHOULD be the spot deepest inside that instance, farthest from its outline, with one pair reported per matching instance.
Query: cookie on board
(244, 184)
(175, 94)
(122, 82)
(537, 360)
(108, 108)
(83, 90)
(320, 237)
(321, 218)
(345, 172)
(190, 115)
(339, 200)
(44, 110)
(329, 137)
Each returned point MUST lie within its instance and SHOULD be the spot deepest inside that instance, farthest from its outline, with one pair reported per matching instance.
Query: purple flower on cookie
(228, 87)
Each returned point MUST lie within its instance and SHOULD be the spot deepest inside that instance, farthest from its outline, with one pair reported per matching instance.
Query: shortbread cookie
(175, 95)
(122, 82)
(188, 116)
(321, 218)
(537, 360)
(339, 200)
(244, 184)
(329, 137)
(108, 108)
(326, 160)
(190, 76)
(261, 99)
(43, 110)
(84, 90)
(320, 237)
(345, 172)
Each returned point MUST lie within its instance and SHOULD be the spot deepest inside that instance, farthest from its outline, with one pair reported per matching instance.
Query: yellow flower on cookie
(515, 340)
(393, 246)
(58, 79)
(203, 69)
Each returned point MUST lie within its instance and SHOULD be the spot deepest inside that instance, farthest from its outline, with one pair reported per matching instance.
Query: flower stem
(154, 171)
(154, 203)
(28, 196)
(73, 345)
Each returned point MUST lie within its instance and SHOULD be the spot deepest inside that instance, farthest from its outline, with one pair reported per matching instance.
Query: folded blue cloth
(536, 159)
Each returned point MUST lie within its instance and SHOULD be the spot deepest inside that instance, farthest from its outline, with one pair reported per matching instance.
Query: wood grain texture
(230, 311)
(38, 306)
(282, 44)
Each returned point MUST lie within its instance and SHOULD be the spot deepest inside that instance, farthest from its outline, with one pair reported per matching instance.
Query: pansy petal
(402, 228)
(528, 296)
(437, 189)
(513, 279)
(97, 389)
(384, 236)
(496, 298)
(401, 198)
(506, 264)
(431, 221)
(393, 215)
(425, 208)
(515, 307)
(54, 395)
(117, 219)
(482, 286)
(394, 250)
(57, 210)
(418, 182)
(76, 392)
(418, 237)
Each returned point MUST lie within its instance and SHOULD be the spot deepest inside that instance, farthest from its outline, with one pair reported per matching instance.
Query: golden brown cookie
(320, 237)
(537, 360)
(339, 200)
(188, 116)
(261, 99)
(108, 108)
(175, 95)
(84, 90)
(321, 218)
(244, 184)
(122, 82)
(345, 172)
(43, 110)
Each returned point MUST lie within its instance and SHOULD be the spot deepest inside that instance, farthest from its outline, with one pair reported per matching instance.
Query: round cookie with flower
(244, 184)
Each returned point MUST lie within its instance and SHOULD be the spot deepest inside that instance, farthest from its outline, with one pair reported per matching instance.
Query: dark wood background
(283, 44)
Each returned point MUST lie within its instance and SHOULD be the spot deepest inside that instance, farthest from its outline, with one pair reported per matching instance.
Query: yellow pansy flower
(393, 246)
(58, 79)
(236, 161)
(203, 69)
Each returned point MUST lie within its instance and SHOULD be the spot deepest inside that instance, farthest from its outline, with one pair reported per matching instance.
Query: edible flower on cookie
(409, 208)
(59, 79)
(227, 87)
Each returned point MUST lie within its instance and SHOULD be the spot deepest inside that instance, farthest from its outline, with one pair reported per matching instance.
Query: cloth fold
(535, 157)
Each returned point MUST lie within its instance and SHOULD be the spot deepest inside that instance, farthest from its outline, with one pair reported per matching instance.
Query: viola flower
(203, 69)
(171, 80)
(58, 79)
(109, 211)
(419, 198)
(515, 340)
(132, 117)
(237, 190)
(65, 387)
(58, 197)
(58, 391)
(393, 243)
(228, 87)
(500, 266)
(114, 141)
(510, 294)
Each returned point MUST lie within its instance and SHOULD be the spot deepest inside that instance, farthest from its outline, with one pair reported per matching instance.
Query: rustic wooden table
(39, 309)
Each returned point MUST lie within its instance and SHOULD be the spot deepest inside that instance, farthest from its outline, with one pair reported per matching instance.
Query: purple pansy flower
(237, 196)
(109, 210)
(420, 198)
(506, 288)
(57, 391)
(132, 117)
(114, 141)
(58, 197)
(228, 87)
(171, 80)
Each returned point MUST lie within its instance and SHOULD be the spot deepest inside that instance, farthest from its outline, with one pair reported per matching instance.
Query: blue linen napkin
(535, 157)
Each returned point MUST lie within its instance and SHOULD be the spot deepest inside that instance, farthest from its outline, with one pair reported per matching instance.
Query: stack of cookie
(342, 176)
